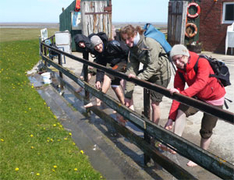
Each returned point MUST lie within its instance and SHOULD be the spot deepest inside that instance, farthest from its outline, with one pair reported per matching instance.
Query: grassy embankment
(33, 145)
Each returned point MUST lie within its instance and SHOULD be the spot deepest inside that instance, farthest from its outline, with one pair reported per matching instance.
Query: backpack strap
(195, 66)
(167, 55)
(181, 76)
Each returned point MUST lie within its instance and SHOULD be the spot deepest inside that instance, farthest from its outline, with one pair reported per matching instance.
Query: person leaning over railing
(83, 42)
(86, 46)
(156, 67)
(200, 85)
(112, 54)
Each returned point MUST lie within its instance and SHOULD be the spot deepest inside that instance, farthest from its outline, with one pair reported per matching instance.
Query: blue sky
(49, 10)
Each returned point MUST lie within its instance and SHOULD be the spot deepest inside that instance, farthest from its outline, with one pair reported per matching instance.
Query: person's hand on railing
(132, 76)
(98, 85)
(169, 124)
(174, 90)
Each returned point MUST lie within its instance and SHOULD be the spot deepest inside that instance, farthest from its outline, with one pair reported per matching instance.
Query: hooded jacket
(82, 38)
(88, 45)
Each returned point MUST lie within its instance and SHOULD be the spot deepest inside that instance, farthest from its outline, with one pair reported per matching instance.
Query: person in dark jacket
(83, 42)
(86, 47)
(200, 85)
(112, 54)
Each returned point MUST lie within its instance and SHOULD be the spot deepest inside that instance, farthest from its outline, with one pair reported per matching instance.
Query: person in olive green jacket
(156, 67)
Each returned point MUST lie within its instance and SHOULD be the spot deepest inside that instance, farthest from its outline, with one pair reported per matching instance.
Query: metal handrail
(220, 113)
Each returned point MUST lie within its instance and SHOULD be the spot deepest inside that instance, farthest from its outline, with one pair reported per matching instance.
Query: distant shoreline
(26, 25)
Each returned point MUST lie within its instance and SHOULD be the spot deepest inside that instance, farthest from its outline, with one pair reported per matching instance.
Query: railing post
(45, 53)
(40, 46)
(60, 73)
(52, 39)
(146, 113)
(85, 67)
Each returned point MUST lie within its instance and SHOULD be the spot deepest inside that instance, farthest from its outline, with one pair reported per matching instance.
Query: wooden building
(91, 16)
(200, 22)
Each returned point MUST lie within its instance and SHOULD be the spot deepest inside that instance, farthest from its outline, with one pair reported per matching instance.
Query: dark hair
(131, 31)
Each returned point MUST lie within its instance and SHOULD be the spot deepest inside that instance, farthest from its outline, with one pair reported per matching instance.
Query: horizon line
(58, 22)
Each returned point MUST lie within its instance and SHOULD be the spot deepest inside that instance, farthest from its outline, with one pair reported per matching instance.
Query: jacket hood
(191, 61)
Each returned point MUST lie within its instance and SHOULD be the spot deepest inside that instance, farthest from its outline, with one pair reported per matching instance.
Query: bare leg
(178, 128)
(131, 106)
(123, 85)
(119, 93)
(155, 117)
(204, 145)
(81, 77)
(180, 123)
(80, 88)
(155, 112)
(89, 77)
(105, 86)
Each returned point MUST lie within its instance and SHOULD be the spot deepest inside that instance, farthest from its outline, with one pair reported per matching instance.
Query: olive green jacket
(152, 55)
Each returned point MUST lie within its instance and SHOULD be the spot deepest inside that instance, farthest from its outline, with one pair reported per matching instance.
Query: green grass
(12, 34)
(33, 145)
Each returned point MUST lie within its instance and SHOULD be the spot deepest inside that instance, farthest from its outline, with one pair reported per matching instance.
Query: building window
(76, 20)
(228, 12)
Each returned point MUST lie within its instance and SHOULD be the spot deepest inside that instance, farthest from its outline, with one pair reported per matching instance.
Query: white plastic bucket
(46, 78)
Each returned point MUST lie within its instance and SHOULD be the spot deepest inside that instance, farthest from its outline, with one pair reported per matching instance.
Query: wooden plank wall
(177, 13)
(93, 23)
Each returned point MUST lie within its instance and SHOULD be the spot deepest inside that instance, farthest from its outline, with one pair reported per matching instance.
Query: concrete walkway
(115, 157)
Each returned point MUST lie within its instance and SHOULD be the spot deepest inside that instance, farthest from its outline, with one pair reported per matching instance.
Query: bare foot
(88, 105)
(79, 90)
(191, 164)
(172, 151)
(131, 107)
(162, 146)
(91, 104)
(165, 148)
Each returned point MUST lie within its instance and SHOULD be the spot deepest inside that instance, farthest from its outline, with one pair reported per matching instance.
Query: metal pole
(146, 113)
(45, 53)
(60, 73)
(85, 67)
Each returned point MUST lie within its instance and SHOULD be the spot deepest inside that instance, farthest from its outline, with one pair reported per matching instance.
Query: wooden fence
(210, 162)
